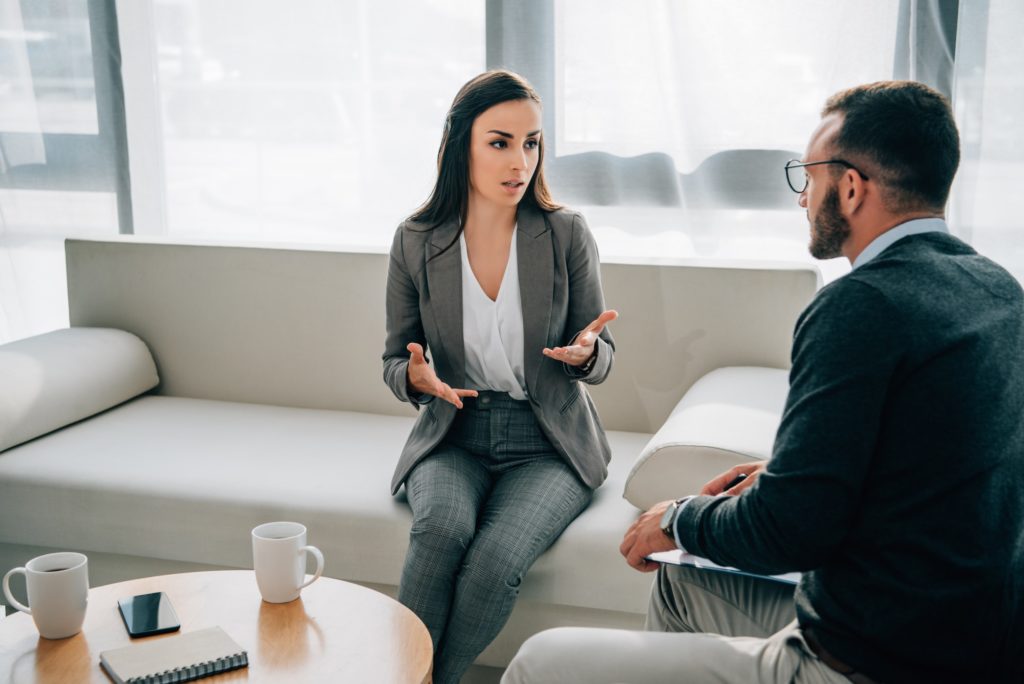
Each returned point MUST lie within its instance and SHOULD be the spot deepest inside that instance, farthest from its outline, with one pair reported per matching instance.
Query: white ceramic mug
(58, 592)
(279, 559)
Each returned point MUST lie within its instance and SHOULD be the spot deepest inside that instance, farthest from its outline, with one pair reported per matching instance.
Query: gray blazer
(560, 288)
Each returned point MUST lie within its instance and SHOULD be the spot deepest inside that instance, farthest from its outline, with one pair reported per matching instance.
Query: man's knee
(686, 599)
(584, 655)
(548, 656)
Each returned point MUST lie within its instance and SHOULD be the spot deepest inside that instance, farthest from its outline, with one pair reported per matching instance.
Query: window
(988, 103)
(667, 122)
(61, 151)
(694, 78)
(317, 122)
(684, 113)
(46, 63)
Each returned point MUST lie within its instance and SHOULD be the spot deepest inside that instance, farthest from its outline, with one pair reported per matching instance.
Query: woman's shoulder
(569, 227)
(413, 236)
(565, 218)
(409, 240)
(414, 231)
(565, 223)
(414, 227)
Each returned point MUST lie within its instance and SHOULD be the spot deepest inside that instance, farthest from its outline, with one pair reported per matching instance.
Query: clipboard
(679, 557)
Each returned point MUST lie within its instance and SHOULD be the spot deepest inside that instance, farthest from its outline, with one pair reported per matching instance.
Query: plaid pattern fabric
(486, 503)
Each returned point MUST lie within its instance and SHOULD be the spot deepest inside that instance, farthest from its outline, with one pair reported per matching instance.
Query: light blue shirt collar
(914, 227)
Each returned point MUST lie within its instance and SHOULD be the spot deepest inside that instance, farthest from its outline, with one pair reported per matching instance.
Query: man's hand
(423, 379)
(582, 348)
(645, 537)
(717, 485)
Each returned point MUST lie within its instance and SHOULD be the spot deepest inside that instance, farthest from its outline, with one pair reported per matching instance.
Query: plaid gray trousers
(486, 503)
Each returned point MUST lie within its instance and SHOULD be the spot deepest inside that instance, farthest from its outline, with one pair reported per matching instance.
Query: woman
(503, 287)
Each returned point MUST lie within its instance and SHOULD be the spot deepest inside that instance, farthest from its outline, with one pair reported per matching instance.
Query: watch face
(666, 518)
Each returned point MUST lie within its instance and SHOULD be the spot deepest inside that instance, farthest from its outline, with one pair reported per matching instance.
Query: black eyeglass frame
(796, 164)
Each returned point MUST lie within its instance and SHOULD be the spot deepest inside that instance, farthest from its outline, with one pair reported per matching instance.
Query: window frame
(79, 162)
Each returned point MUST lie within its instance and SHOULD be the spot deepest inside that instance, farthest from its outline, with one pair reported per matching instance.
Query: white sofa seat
(143, 478)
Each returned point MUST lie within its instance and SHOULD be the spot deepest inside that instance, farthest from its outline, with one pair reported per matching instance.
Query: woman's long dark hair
(450, 196)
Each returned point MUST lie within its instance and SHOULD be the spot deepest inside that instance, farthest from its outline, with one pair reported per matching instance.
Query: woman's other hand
(582, 348)
(423, 379)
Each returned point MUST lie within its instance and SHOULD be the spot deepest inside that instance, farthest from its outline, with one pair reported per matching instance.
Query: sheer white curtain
(989, 102)
(692, 79)
(316, 122)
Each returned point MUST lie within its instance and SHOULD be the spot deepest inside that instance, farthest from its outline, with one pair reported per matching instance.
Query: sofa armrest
(729, 416)
(61, 377)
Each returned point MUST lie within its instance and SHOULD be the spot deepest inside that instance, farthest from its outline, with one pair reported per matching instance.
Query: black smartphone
(148, 614)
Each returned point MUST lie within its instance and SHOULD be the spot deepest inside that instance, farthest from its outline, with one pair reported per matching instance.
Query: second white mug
(279, 558)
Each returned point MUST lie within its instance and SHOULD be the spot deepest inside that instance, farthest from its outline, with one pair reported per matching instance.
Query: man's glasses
(797, 177)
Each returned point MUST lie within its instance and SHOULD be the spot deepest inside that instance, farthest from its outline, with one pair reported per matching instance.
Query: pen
(739, 478)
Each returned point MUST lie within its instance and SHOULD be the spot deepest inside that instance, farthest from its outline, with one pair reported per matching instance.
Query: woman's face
(503, 152)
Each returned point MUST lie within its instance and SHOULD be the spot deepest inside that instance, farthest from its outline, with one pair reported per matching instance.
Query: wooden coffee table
(337, 632)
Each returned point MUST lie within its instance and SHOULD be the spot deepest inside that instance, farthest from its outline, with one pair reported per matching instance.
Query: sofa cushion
(55, 379)
(727, 417)
(187, 479)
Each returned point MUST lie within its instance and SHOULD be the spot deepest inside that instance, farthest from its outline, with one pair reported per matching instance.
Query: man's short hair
(906, 129)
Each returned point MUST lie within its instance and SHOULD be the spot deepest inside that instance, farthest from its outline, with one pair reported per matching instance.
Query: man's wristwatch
(668, 519)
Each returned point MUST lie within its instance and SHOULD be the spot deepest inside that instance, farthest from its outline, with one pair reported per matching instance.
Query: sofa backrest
(305, 328)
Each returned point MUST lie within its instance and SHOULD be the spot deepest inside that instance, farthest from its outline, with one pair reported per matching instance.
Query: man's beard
(829, 230)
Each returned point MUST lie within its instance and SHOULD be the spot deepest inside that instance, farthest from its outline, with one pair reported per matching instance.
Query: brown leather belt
(833, 662)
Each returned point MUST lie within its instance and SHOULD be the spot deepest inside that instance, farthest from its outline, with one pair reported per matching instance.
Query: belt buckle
(824, 656)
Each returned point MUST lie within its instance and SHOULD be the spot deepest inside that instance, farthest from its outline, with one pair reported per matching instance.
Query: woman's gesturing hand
(423, 379)
(582, 348)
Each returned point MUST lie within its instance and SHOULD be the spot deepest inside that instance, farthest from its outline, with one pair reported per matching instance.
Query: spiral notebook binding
(197, 671)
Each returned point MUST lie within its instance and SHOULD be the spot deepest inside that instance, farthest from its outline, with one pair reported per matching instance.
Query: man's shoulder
(923, 282)
(847, 309)
(917, 263)
(851, 290)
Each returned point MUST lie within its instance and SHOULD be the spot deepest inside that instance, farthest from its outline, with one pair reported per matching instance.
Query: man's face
(829, 228)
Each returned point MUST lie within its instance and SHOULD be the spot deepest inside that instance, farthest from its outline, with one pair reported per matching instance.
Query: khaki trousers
(702, 626)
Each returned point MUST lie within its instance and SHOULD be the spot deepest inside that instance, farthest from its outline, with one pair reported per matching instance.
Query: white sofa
(249, 389)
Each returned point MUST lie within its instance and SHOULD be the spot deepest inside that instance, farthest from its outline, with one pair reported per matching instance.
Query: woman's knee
(493, 567)
(444, 516)
(443, 526)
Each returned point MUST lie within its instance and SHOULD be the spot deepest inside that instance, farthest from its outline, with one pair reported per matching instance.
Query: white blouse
(493, 330)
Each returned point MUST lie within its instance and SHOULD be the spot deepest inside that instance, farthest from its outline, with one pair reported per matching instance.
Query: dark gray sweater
(897, 478)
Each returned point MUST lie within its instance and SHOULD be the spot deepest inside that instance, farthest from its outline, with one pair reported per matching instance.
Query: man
(896, 479)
